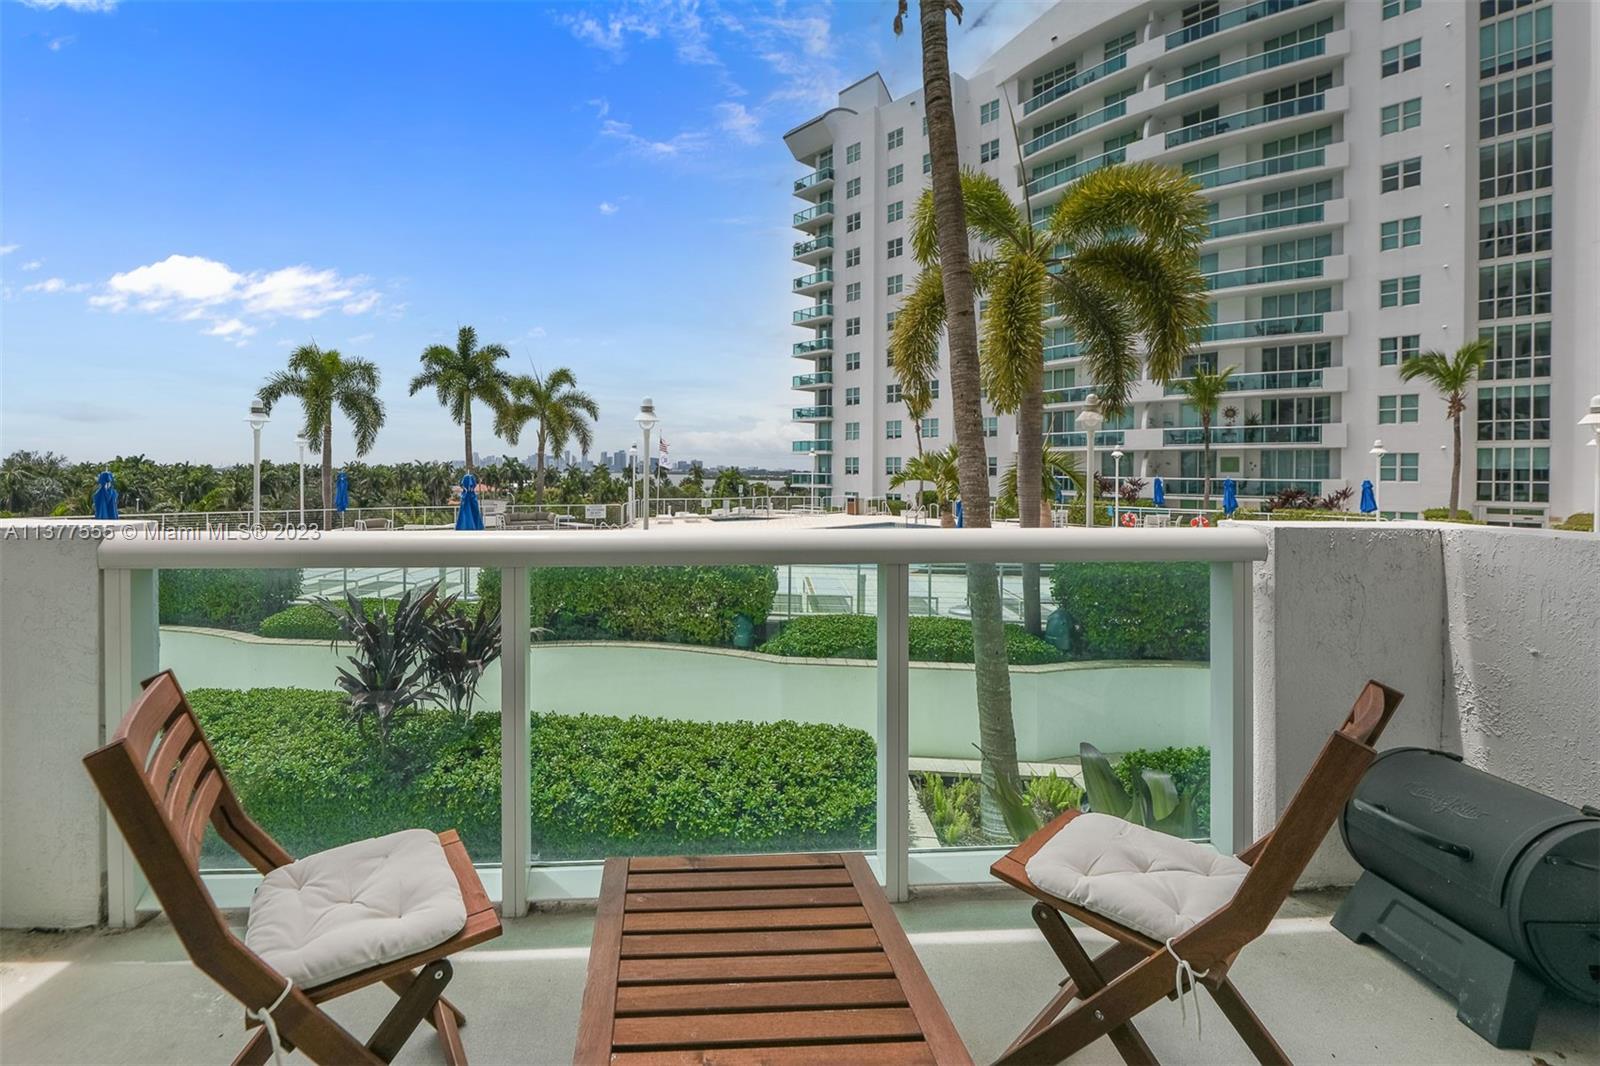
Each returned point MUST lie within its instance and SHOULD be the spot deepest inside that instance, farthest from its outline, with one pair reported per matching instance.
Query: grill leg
(1497, 997)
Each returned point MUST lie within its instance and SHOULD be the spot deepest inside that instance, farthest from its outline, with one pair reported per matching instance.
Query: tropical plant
(323, 380)
(1452, 377)
(1155, 799)
(1052, 794)
(562, 411)
(1204, 389)
(939, 469)
(457, 648)
(952, 808)
(1130, 490)
(387, 679)
(1054, 463)
(1335, 500)
(462, 374)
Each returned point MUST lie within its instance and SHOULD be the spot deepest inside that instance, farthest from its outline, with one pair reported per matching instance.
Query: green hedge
(225, 599)
(1442, 514)
(601, 785)
(308, 621)
(932, 640)
(675, 604)
(1135, 610)
(1582, 522)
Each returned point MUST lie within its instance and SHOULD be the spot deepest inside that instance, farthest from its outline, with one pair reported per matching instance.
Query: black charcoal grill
(1489, 890)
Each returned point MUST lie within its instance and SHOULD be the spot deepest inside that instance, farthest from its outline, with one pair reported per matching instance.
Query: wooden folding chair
(1138, 970)
(160, 780)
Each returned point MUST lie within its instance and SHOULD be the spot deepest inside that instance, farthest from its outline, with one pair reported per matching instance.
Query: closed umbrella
(341, 493)
(1160, 495)
(105, 497)
(1369, 499)
(1230, 497)
(469, 515)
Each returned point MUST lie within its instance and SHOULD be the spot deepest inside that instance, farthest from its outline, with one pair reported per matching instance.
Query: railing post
(1232, 725)
(516, 830)
(894, 733)
(130, 646)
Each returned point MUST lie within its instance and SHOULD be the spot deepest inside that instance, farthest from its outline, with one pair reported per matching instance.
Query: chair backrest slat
(174, 740)
(148, 717)
(199, 814)
(180, 790)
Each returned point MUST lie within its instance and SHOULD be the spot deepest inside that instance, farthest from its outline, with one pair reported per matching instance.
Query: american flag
(663, 449)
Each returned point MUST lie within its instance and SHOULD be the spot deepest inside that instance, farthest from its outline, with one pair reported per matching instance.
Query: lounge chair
(826, 595)
(1178, 911)
(392, 909)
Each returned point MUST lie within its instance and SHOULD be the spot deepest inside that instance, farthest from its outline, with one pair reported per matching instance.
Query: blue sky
(191, 189)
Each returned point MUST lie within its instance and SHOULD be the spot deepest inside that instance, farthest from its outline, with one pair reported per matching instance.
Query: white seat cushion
(1148, 881)
(353, 907)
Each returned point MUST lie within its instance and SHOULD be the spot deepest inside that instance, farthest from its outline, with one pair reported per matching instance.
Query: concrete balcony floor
(133, 997)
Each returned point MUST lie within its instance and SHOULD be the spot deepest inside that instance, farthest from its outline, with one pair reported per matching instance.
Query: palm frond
(914, 341)
(1013, 332)
(1161, 289)
(1100, 325)
(1160, 202)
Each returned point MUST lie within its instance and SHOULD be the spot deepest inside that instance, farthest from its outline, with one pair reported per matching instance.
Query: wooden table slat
(773, 1027)
(888, 1053)
(765, 942)
(729, 899)
(759, 995)
(755, 968)
(700, 881)
(678, 863)
(745, 920)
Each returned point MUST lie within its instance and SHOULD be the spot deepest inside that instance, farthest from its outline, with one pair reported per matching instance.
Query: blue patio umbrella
(1369, 499)
(105, 497)
(469, 515)
(1230, 497)
(1160, 495)
(341, 493)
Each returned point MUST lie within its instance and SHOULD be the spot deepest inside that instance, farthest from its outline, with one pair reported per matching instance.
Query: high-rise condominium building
(1384, 177)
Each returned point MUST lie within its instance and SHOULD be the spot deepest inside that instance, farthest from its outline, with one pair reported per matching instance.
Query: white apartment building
(1384, 177)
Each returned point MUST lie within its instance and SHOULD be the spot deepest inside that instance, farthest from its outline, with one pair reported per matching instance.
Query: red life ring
(1199, 520)
(1130, 519)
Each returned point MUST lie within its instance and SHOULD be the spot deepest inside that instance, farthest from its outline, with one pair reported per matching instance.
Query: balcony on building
(1274, 172)
(818, 314)
(813, 283)
(812, 349)
(814, 184)
(819, 380)
(814, 446)
(819, 413)
(813, 218)
(1277, 277)
(1318, 326)
(1283, 224)
(1225, 24)
(816, 248)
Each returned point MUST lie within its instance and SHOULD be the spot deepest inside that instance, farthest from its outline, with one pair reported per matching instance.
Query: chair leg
(444, 1020)
(1129, 1044)
(416, 1003)
(256, 1052)
(1112, 963)
(1254, 1034)
(400, 983)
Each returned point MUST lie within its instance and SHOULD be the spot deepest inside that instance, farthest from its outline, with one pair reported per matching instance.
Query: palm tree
(1452, 376)
(941, 469)
(562, 411)
(323, 380)
(463, 374)
(1053, 464)
(1204, 389)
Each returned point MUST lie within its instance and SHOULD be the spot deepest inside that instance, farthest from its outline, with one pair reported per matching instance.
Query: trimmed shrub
(1582, 522)
(1442, 514)
(673, 604)
(1135, 610)
(225, 599)
(931, 640)
(601, 785)
(307, 621)
(1190, 769)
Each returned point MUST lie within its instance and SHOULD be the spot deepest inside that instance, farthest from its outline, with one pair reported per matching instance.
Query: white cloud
(608, 208)
(32, 264)
(231, 327)
(680, 145)
(176, 279)
(735, 119)
(54, 285)
(7, 249)
(58, 43)
(73, 5)
(677, 21)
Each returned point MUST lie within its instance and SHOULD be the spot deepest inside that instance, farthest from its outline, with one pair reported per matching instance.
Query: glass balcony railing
(1239, 16)
(1105, 438)
(813, 313)
(1261, 327)
(812, 214)
(817, 446)
(1249, 65)
(1074, 83)
(815, 244)
(816, 177)
(821, 477)
(819, 346)
(1075, 127)
(1265, 220)
(1264, 380)
(1075, 394)
(820, 277)
(1255, 116)
(1076, 171)
(1056, 352)
(1261, 168)
(804, 414)
(1243, 435)
(1194, 486)
(1262, 275)
(806, 381)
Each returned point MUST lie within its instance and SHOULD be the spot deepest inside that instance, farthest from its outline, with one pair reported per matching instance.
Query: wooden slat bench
(767, 959)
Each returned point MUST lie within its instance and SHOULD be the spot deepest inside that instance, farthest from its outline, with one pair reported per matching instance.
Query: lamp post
(1592, 420)
(1377, 452)
(1116, 487)
(1091, 420)
(300, 446)
(647, 421)
(633, 476)
(257, 419)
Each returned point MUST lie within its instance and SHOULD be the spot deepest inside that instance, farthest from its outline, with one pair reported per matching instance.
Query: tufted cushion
(342, 911)
(1158, 884)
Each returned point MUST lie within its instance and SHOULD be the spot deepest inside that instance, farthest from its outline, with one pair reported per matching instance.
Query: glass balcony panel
(1264, 380)
(1239, 16)
(1243, 435)
(1074, 83)
(1261, 327)
(806, 381)
(1261, 168)
(813, 445)
(820, 277)
(816, 177)
(811, 214)
(1072, 129)
(1239, 120)
(1105, 438)
(1078, 170)
(1263, 275)
(1249, 65)
(802, 414)
(1266, 220)
(816, 244)
(820, 345)
(811, 314)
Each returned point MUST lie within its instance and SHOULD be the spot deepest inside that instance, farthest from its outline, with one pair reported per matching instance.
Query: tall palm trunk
(1205, 441)
(538, 473)
(467, 426)
(327, 473)
(1030, 490)
(1455, 466)
(996, 732)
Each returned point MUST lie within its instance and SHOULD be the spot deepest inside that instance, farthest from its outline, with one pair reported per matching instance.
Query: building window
(994, 465)
(1402, 116)
(991, 426)
(852, 431)
(1049, 80)
(1513, 43)
(1393, 409)
(1397, 466)
(933, 389)
(888, 319)
(1511, 290)
(1401, 57)
(1514, 412)
(927, 162)
(852, 327)
(930, 429)
(896, 175)
(1283, 357)
(852, 222)
(1521, 351)
(988, 112)
(1514, 475)
(1204, 11)
(891, 392)
(894, 284)
(1305, 33)
(1513, 104)
(892, 429)
(852, 154)
(852, 257)
(1291, 304)
(1402, 175)
(852, 360)
(892, 464)
(895, 248)
(1118, 45)
(852, 396)
(924, 125)
(852, 292)
(852, 465)
(1395, 350)
(1400, 292)
(1300, 142)
(897, 137)
(1300, 196)
(1514, 166)
(896, 211)
(1391, 8)
(1515, 227)
(852, 188)
(989, 151)
(1400, 233)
